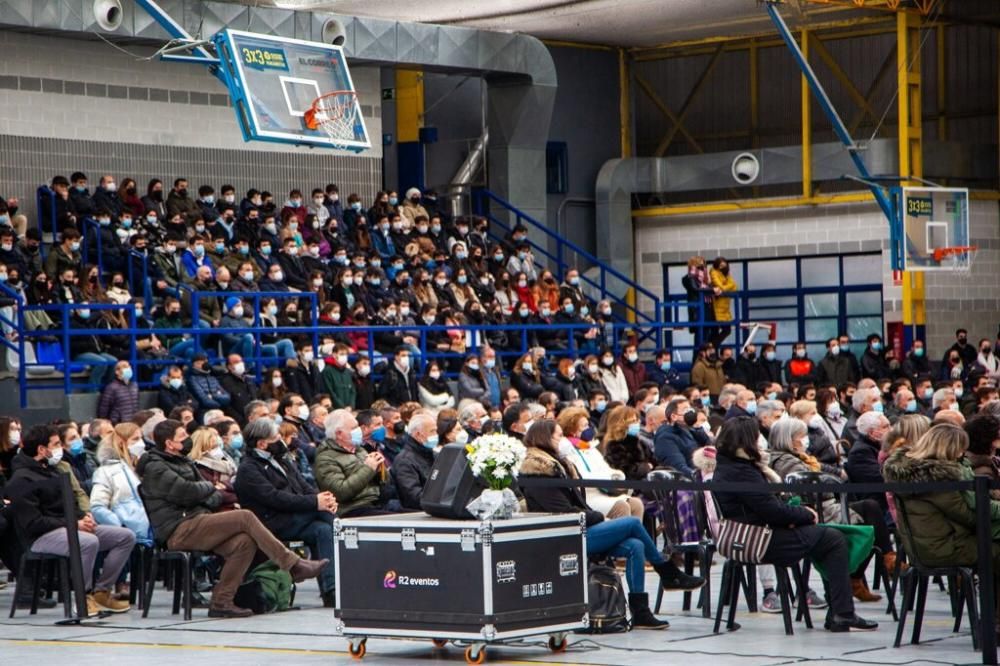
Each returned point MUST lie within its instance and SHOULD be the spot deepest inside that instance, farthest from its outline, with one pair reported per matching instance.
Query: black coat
(168, 398)
(862, 467)
(529, 386)
(564, 388)
(410, 470)
(794, 534)
(274, 497)
(540, 464)
(174, 491)
(35, 492)
(398, 389)
(630, 456)
(242, 391)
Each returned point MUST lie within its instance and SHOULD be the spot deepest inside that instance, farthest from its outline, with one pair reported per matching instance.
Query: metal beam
(841, 76)
(665, 110)
(806, 107)
(678, 124)
(624, 103)
(883, 71)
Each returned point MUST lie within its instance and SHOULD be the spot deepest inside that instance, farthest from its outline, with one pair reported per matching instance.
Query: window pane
(788, 331)
(674, 276)
(820, 330)
(863, 269)
(860, 328)
(864, 303)
(821, 272)
(821, 305)
(772, 274)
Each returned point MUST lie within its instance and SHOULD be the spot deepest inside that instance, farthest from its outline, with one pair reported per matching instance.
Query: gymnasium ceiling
(630, 23)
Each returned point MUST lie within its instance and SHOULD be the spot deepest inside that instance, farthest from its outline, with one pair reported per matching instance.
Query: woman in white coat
(579, 447)
(435, 394)
(613, 378)
(114, 496)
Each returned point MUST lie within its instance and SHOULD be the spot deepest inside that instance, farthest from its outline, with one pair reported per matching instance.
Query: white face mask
(364, 370)
(304, 413)
(462, 438)
(276, 381)
(215, 454)
(55, 457)
(239, 369)
(137, 448)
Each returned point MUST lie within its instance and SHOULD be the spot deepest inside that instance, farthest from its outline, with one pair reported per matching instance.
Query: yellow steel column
(910, 154)
(624, 103)
(409, 104)
(807, 189)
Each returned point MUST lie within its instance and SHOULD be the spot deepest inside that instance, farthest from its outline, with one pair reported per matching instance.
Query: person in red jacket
(633, 368)
(800, 369)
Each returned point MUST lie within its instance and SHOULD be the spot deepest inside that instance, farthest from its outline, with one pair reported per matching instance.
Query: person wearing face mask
(364, 387)
(75, 458)
(663, 371)
(207, 390)
(622, 448)
(412, 207)
(338, 379)
(835, 367)
(36, 508)
(771, 369)
(64, 256)
(819, 445)
(707, 370)
(873, 361)
(526, 377)
(522, 260)
(564, 384)
(862, 464)
(179, 201)
(304, 372)
(90, 350)
(588, 379)
(399, 383)
(181, 508)
(294, 413)
(345, 468)
(106, 197)
(916, 364)
(450, 431)
(471, 381)
(800, 369)
(987, 362)
(173, 392)
(632, 368)
(435, 394)
(613, 377)
(270, 485)
(673, 442)
(412, 467)
(120, 398)
(214, 465)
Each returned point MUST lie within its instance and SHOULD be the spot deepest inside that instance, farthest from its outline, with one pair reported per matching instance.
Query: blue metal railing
(483, 200)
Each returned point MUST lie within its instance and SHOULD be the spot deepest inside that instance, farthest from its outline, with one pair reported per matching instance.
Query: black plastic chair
(180, 564)
(38, 562)
(702, 550)
(738, 574)
(916, 579)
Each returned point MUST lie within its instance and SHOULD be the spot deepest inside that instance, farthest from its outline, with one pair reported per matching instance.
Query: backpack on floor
(608, 602)
(266, 589)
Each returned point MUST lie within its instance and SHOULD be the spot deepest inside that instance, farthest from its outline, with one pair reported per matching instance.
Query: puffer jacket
(207, 390)
(35, 491)
(539, 463)
(614, 381)
(119, 401)
(173, 491)
(346, 475)
(114, 482)
(943, 524)
(410, 470)
(276, 496)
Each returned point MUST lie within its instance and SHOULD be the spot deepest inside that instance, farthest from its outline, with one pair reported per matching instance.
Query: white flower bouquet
(496, 459)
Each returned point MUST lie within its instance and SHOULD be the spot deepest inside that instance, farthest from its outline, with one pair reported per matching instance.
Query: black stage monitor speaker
(451, 485)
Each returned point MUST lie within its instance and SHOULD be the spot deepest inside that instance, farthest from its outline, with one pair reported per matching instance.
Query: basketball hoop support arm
(884, 201)
(199, 54)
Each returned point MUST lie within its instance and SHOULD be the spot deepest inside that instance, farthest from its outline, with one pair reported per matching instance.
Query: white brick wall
(39, 114)
(953, 301)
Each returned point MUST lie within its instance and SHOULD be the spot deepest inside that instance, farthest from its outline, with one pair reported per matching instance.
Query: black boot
(642, 617)
(329, 599)
(672, 578)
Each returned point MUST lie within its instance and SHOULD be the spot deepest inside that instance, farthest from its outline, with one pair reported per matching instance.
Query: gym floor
(306, 637)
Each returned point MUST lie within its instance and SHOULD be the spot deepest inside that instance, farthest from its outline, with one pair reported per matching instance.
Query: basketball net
(334, 114)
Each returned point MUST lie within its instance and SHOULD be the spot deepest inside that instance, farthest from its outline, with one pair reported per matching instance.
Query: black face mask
(186, 446)
(690, 418)
(399, 428)
(277, 449)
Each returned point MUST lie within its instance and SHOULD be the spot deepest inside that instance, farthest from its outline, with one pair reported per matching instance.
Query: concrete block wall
(98, 105)
(952, 300)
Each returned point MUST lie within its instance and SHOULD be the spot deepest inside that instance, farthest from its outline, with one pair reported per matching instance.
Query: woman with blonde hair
(114, 496)
(214, 465)
(905, 433)
(579, 447)
(622, 448)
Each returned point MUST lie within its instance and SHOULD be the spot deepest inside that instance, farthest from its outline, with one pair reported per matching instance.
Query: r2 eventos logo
(392, 580)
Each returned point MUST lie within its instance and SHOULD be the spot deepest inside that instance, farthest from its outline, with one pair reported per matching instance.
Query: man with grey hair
(745, 404)
(862, 461)
(346, 469)
(412, 466)
(768, 413)
(213, 416)
(865, 400)
(256, 409)
(271, 486)
(944, 398)
(474, 418)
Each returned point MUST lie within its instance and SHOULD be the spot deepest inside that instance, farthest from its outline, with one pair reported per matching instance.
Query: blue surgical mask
(878, 408)
(772, 396)
(127, 374)
(751, 408)
(236, 443)
(76, 446)
(918, 352)
(393, 201)
(665, 366)
(378, 434)
(876, 346)
(431, 442)
(769, 355)
(356, 206)
(633, 429)
(568, 308)
(601, 405)
(490, 363)
(928, 393)
(176, 383)
(911, 406)
(357, 436)
(706, 400)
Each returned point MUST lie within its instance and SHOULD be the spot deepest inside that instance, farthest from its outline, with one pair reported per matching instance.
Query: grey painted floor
(306, 636)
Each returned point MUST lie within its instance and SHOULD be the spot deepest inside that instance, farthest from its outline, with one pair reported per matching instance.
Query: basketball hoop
(335, 114)
(958, 258)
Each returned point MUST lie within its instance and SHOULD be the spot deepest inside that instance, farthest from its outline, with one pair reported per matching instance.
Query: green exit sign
(388, 93)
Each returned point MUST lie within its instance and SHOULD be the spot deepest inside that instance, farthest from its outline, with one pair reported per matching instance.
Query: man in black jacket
(240, 386)
(270, 485)
(180, 502)
(862, 460)
(399, 384)
(412, 466)
(836, 367)
(35, 493)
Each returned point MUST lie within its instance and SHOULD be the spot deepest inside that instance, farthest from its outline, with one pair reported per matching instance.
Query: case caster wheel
(439, 642)
(474, 655)
(557, 643)
(358, 649)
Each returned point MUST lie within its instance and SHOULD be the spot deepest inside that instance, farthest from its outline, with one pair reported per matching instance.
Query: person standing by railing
(723, 283)
(701, 295)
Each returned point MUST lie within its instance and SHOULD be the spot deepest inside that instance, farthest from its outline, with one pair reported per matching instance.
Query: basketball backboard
(274, 80)
(935, 223)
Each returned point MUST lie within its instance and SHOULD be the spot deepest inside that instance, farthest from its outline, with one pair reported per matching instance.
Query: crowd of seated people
(343, 423)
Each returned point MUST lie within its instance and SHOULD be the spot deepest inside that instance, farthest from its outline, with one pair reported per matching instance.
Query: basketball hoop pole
(199, 54)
